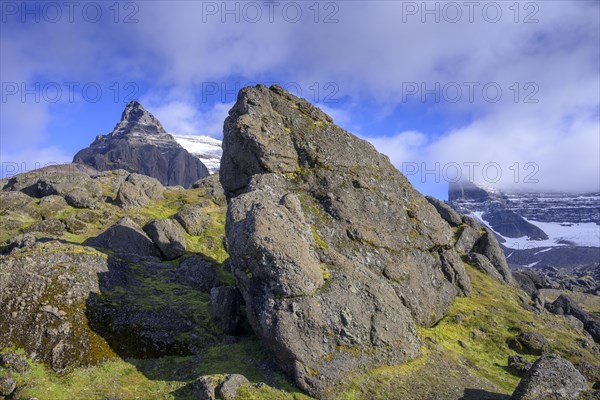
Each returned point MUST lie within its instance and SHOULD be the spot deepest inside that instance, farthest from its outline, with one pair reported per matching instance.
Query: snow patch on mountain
(207, 149)
(586, 234)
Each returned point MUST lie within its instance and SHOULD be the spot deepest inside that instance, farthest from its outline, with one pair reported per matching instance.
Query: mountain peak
(136, 118)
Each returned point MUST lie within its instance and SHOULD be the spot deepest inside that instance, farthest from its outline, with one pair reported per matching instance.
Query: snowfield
(207, 149)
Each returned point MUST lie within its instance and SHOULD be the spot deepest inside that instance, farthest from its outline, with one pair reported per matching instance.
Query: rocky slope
(140, 144)
(116, 287)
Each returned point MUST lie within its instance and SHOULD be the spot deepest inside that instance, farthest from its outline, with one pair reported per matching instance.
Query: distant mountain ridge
(139, 143)
(536, 229)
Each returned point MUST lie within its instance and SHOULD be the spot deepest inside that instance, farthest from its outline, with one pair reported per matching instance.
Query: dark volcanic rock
(530, 280)
(213, 188)
(193, 219)
(230, 387)
(168, 236)
(125, 237)
(465, 190)
(198, 273)
(550, 377)
(563, 305)
(510, 224)
(337, 256)
(467, 237)
(225, 304)
(140, 144)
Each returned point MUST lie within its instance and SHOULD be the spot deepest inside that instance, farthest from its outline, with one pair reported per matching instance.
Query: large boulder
(168, 235)
(550, 378)
(198, 273)
(337, 256)
(193, 219)
(138, 191)
(530, 343)
(446, 212)
(125, 238)
(43, 301)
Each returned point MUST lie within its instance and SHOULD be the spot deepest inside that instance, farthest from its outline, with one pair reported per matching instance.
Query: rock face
(550, 377)
(138, 190)
(530, 343)
(140, 144)
(124, 238)
(338, 258)
(225, 308)
(168, 236)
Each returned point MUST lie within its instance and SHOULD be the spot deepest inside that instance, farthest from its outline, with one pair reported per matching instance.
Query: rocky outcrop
(337, 256)
(519, 365)
(140, 144)
(72, 181)
(193, 219)
(198, 273)
(445, 211)
(550, 377)
(488, 246)
(563, 305)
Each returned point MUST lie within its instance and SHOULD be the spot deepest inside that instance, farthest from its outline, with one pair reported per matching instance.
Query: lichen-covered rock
(551, 377)
(52, 205)
(228, 390)
(204, 388)
(43, 303)
(138, 191)
(168, 236)
(225, 302)
(337, 256)
(212, 188)
(14, 362)
(50, 226)
(466, 238)
(125, 237)
(193, 219)
(7, 385)
(19, 242)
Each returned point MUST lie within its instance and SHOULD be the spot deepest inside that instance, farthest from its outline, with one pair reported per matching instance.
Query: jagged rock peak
(136, 118)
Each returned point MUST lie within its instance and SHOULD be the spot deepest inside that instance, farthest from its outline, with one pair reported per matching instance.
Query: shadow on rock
(478, 394)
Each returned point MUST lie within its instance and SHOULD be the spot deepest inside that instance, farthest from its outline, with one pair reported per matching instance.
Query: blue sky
(505, 91)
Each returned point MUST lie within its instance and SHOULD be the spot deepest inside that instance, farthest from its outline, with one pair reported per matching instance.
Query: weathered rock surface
(446, 212)
(213, 188)
(43, 302)
(225, 304)
(488, 246)
(337, 256)
(7, 385)
(519, 365)
(198, 273)
(125, 237)
(550, 377)
(140, 144)
(193, 219)
(564, 305)
(168, 236)
(230, 387)
(14, 362)
(138, 190)
(72, 181)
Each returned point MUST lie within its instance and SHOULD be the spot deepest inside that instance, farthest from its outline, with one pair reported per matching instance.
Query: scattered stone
(14, 362)
(563, 305)
(75, 226)
(138, 191)
(49, 226)
(529, 343)
(519, 364)
(204, 388)
(7, 385)
(52, 205)
(229, 388)
(193, 219)
(225, 304)
(550, 377)
(168, 236)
